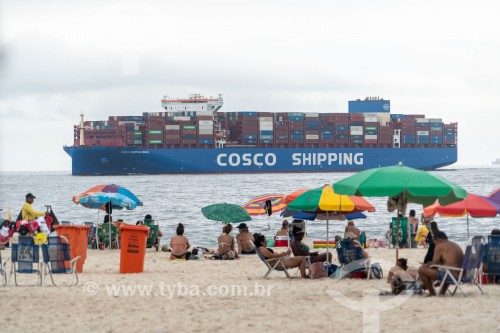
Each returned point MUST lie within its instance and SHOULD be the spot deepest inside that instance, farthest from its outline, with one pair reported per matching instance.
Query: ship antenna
(82, 135)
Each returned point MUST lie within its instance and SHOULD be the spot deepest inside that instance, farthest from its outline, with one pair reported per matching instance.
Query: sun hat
(349, 235)
(242, 226)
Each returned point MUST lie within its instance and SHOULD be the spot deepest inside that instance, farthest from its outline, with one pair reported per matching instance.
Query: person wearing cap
(245, 240)
(27, 212)
(301, 249)
(350, 227)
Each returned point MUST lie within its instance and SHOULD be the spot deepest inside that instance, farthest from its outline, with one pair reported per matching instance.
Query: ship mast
(82, 135)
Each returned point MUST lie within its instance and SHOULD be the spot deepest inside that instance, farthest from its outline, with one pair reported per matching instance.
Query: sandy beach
(209, 296)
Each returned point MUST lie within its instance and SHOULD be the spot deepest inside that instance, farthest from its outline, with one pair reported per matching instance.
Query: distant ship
(192, 135)
(496, 162)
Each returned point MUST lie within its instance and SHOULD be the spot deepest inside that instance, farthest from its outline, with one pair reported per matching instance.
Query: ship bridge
(195, 102)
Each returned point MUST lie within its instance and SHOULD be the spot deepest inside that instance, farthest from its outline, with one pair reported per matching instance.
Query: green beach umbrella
(227, 213)
(402, 185)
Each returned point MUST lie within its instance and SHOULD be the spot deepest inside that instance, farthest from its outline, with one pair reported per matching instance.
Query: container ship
(193, 135)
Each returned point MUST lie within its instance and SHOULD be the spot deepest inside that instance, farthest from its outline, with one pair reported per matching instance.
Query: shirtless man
(446, 253)
(351, 228)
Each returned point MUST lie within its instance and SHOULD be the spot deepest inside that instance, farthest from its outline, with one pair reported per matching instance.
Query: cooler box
(281, 241)
(321, 244)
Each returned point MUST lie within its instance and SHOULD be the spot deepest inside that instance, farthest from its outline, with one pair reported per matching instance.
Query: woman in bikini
(301, 249)
(179, 245)
(226, 243)
(245, 240)
(289, 262)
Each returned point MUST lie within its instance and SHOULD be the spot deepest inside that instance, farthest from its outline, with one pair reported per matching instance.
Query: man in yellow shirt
(28, 213)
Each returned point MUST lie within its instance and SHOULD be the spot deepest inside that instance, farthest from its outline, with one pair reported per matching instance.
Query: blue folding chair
(492, 256)
(25, 259)
(468, 272)
(57, 260)
(352, 260)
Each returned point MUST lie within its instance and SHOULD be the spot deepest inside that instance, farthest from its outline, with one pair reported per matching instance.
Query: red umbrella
(473, 205)
(292, 196)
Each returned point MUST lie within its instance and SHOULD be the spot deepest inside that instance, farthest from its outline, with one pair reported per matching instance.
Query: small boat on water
(496, 162)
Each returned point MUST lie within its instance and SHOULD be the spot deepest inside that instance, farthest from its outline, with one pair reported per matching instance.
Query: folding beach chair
(25, 259)
(278, 266)
(104, 237)
(91, 237)
(351, 260)
(153, 235)
(468, 272)
(492, 256)
(57, 260)
(3, 270)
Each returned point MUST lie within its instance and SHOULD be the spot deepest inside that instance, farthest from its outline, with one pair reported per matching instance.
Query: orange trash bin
(133, 248)
(77, 236)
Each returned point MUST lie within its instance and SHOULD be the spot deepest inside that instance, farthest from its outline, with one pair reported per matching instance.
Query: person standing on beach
(413, 227)
(446, 253)
(27, 212)
(430, 240)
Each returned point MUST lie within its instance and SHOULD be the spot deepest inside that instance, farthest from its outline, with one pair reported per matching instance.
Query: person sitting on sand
(284, 229)
(351, 228)
(350, 240)
(245, 240)
(402, 271)
(226, 248)
(179, 244)
(301, 249)
(446, 253)
(494, 240)
(289, 262)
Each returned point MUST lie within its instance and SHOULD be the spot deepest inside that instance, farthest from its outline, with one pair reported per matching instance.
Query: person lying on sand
(446, 253)
(402, 271)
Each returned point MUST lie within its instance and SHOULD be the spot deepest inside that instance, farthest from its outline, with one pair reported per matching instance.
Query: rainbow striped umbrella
(99, 195)
(257, 206)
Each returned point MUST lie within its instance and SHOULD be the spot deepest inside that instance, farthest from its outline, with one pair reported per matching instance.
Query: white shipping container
(206, 122)
(136, 127)
(312, 115)
(172, 127)
(422, 120)
(182, 118)
(370, 137)
(357, 128)
(204, 113)
(436, 120)
(422, 132)
(370, 115)
(312, 136)
(356, 132)
(266, 119)
(371, 119)
(205, 132)
(266, 127)
(383, 118)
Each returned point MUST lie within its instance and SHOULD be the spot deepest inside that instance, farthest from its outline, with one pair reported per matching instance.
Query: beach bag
(399, 286)
(317, 270)
(377, 271)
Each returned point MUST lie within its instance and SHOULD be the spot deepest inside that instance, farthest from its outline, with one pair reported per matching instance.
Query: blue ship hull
(130, 160)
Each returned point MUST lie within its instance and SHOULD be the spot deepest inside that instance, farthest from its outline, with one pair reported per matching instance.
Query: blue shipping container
(342, 128)
(249, 114)
(189, 136)
(297, 137)
(327, 136)
(369, 106)
(295, 118)
(266, 132)
(450, 137)
(206, 141)
(398, 116)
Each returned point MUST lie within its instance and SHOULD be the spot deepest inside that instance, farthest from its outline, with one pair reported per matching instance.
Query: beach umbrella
(402, 185)
(293, 195)
(473, 205)
(265, 204)
(115, 194)
(324, 200)
(495, 196)
(226, 213)
(108, 197)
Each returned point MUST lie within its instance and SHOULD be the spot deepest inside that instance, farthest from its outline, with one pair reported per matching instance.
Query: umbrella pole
(397, 236)
(467, 225)
(327, 242)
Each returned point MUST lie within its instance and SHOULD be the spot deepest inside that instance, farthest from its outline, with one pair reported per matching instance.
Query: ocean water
(172, 199)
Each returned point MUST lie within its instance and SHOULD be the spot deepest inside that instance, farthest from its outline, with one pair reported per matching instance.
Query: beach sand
(179, 300)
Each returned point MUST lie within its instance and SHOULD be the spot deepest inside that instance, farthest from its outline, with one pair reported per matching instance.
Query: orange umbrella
(292, 196)
(473, 205)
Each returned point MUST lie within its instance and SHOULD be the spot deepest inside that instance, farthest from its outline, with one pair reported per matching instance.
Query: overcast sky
(439, 58)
